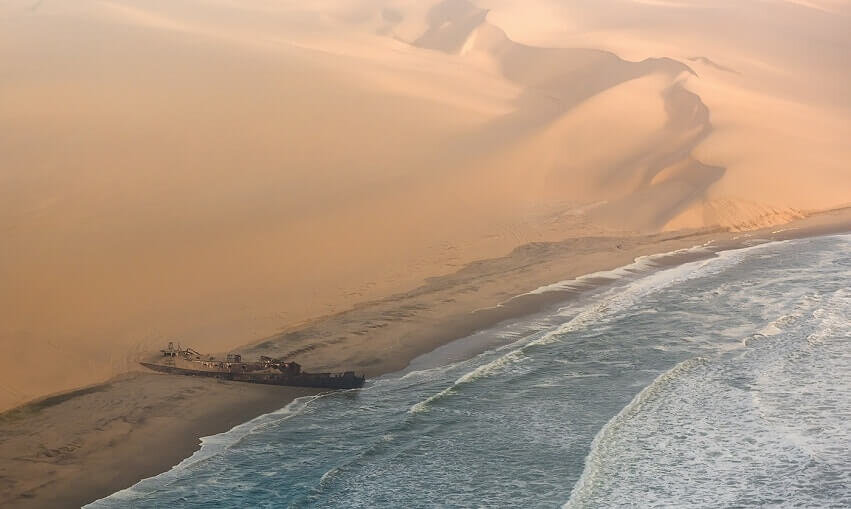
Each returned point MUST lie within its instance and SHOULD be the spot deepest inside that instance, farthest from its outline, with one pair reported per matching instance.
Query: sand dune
(217, 171)
(774, 76)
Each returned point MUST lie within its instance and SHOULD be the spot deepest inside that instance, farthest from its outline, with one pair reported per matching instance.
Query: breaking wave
(720, 381)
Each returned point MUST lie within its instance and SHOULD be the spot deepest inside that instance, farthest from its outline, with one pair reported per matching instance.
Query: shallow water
(724, 382)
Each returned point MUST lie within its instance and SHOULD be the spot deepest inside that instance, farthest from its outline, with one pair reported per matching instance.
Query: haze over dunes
(215, 171)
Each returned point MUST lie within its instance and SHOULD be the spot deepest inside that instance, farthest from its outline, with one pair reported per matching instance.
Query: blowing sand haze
(343, 182)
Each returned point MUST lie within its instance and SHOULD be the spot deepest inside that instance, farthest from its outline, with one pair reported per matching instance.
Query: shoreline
(111, 433)
(90, 443)
(487, 292)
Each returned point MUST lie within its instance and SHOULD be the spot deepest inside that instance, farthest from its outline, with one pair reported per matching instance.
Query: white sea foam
(485, 370)
(601, 444)
(210, 446)
(641, 265)
(765, 427)
(610, 303)
(713, 431)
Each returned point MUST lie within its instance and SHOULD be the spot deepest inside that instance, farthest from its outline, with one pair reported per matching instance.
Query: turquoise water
(723, 382)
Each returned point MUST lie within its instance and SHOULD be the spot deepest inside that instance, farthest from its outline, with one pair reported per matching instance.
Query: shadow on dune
(450, 24)
(555, 80)
(666, 178)
(671, 179)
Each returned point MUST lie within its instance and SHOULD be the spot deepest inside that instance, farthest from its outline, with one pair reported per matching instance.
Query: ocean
(724, 382)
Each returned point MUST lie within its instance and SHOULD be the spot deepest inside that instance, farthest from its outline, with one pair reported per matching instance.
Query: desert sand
(74, 448)
(215, 172)
(229, 173)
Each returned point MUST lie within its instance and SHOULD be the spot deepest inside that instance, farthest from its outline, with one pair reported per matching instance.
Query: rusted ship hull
(319, 380)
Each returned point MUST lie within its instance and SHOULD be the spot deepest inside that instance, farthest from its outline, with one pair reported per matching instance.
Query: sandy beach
(352, 183)
(76, 447)
(71, 449)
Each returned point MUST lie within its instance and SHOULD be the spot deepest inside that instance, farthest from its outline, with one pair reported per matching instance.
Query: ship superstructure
(267, 370)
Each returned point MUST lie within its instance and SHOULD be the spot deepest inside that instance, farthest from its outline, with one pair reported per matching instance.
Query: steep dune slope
(644, 190)
(774, 75)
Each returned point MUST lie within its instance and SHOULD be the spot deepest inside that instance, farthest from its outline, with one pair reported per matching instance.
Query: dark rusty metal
(179, 361)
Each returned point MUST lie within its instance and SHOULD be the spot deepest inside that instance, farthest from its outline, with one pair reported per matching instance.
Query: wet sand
(71, 449)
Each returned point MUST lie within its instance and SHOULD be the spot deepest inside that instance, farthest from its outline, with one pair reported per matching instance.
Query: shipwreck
(266, 370)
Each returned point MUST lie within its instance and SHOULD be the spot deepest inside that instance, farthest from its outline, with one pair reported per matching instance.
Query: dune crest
(556, 80)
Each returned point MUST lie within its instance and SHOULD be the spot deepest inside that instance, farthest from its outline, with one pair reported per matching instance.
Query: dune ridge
(555, 80)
